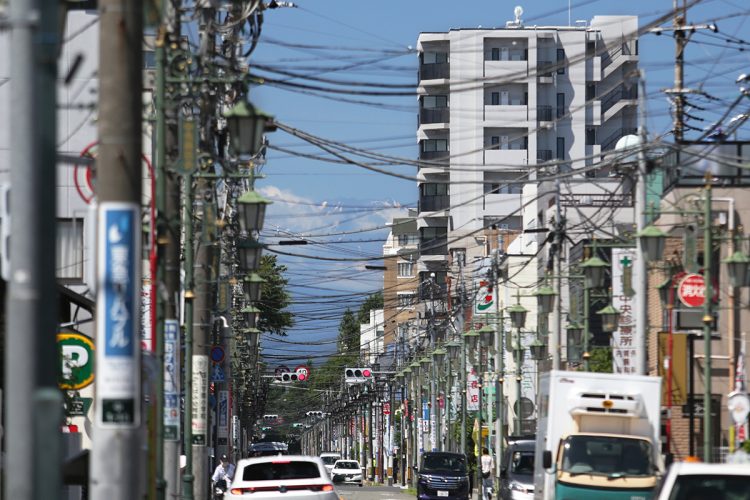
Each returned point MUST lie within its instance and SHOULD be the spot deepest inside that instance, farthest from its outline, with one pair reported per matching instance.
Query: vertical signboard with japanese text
(171, 380)
(625, 353)
(118, 388)
(200, 398)
(223, 417)
(472, 393)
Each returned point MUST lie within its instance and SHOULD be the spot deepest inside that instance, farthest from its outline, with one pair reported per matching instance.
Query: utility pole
(188, 479)
(708, 320)
(641, 266)
(555, 344)
(499, 364)
(33, 402)
(117, 456)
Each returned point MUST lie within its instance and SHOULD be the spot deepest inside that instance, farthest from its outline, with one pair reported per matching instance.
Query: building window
(406, 299)
(590, 92)
(495, 142)
(561, 148)
(405, 269)
(495, 55)
(435, 101)
(590, 136)
(434, 57)
(560, 61)
(408, 239)
(433, 145)
(495, 99)
(70, 249)
(560, 105)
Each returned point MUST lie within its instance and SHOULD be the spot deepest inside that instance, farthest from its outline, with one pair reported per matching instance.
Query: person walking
(488, 465)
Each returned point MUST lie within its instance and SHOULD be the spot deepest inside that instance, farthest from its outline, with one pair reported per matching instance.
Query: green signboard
(76, 354)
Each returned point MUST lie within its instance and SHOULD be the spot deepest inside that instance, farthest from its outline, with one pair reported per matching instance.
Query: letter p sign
(76, 353)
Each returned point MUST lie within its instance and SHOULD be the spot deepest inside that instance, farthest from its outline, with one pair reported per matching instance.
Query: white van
(329, 458)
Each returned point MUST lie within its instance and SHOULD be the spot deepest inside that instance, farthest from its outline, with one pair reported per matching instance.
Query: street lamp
(250, 315)
(486, 335)
(472, 339)
(610, 318)
(517, 315)
(593, 271)
(545, 297)
(737, 267)
(252, 287)
(652, 241)
(538, 350)
(246, 125)
(251, 209)
(575, 334)
(249, 251)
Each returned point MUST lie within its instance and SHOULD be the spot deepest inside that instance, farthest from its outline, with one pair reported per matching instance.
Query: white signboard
(625, 353)
(484, 299)
(223, 414)
(200, 398)
(118, 366)
(472, 392)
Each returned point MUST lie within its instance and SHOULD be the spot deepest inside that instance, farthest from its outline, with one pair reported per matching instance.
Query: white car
(287, 477)
(347, 471)
(695, 480)
(329, 458)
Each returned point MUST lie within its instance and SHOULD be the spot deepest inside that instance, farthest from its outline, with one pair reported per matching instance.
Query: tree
(601, 360)
(374, 301)
(348, 333)
(274, 298)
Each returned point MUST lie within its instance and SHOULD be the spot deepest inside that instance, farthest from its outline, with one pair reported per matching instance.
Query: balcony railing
(435, 156)
(433, 203)
(624, 49)
(615, 136)
(544, 113)
(438, 246)
(434, 115)
(618, 94)
(543, 155)
(544, 68)
(434, 71)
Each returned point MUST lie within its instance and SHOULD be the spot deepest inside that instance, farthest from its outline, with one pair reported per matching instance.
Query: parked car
(329, 458)
(443, 475)
(268, 448)
(346, 471)
(693, 481)
(517, 470)
(287, 477)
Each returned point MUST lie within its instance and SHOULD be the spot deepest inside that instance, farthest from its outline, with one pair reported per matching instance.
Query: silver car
(287, 477)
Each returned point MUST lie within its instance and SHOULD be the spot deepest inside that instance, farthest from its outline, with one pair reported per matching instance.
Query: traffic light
(300, 375)
(357, 375)
(270, 418)
(314, 414)
(288, 377)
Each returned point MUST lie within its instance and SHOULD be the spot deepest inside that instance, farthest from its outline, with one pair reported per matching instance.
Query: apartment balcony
(544, 115)
(431, 116)
(507, 70)
(439, 71)
(505, 115)
(543, 155)
(501, 203)
(506, 158)
(626, 52)
(611, 140)
(436, 162)
(545, 71)
(617, 99)
(434, 247)
(434, 203)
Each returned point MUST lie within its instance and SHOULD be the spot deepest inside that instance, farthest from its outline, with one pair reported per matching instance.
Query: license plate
(442, 493)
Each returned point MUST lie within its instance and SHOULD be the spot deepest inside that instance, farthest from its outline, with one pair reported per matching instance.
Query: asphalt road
(348, 492)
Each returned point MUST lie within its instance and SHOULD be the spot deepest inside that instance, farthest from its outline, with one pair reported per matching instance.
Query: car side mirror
(547, 459)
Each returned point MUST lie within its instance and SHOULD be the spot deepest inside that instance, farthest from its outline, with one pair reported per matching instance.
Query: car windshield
(444, 463)
(329, 460)
(711, 487)
(347, 465)
(522, 463)
(270, 471)
(609, 456)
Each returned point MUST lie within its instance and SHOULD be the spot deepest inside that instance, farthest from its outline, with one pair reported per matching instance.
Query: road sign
(303, 372)
(217, 354)
(118, 388)
(78, 407)
(76, 360)
(217, 374)
(171, 380)
(692, 290)
(386, 408)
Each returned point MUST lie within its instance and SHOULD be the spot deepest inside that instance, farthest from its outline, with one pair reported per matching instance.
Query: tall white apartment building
(499, 106)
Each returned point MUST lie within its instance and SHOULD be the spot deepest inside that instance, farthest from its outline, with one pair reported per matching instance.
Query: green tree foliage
(601, 360)
(348, 333)
(374, 301)
(274, 298)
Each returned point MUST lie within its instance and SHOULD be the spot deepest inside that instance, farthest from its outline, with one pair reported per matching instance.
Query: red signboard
(386, 408)
(692, 290)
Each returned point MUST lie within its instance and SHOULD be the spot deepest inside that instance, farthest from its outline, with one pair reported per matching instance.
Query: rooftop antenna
(518, 12)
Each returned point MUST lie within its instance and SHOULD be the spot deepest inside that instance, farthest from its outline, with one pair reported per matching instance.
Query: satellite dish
(518, 12)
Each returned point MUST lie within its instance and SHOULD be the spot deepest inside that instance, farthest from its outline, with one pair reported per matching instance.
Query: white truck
(597, 436)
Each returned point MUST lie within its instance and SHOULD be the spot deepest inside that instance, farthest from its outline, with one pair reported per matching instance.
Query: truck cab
(598, 437)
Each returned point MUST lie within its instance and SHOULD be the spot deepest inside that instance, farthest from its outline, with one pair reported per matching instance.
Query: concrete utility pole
(641, 266)
(33, 401)
(117, 457)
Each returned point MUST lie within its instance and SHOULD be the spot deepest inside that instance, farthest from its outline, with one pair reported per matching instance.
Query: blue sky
(341, 206)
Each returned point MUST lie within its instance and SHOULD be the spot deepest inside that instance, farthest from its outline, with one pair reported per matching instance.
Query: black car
(517, 469)
(443, 475)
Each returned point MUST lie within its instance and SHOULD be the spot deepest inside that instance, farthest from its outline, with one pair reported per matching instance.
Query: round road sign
(692, 290)
(217, 354)
(76, 354)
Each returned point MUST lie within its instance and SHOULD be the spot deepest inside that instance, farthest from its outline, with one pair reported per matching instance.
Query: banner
(171, 380)
(625, 343)
(472, 392)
